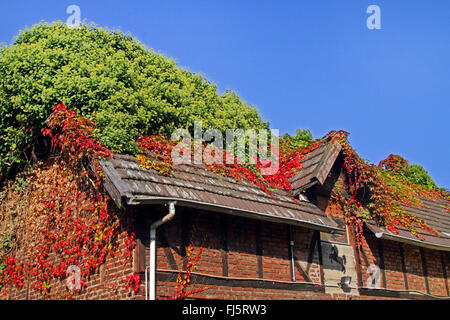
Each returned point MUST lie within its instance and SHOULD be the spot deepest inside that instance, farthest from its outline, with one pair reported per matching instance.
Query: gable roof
(196, 186)
(316, 166)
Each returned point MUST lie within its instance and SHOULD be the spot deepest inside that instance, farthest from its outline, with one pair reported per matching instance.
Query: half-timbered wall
(248, 259)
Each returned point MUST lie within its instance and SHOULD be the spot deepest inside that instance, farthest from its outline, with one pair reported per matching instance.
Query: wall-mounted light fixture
(345, 282)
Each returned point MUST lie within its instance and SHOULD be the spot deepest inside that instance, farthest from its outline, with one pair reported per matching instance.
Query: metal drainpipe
(152, 266)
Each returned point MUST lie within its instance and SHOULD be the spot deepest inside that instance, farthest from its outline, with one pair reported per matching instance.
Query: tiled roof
(196, 186)
(316, 166)
(435, 215)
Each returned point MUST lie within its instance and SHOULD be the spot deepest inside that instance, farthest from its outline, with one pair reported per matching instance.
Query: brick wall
(107, 283)
(247, 259)
(263, 271)
(404, 267)
(241, 259)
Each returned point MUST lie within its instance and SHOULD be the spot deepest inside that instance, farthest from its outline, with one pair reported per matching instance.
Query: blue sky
(305, 64)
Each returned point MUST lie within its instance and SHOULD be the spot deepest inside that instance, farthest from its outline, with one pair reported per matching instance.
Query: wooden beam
(169, 276)
(303, 272)
(356, 250)
(312, 246)
(166, 247)
(186, 230)
(358, 266)
(223, 231)
(402, 259)
(386, 293)
(139, 252)
(425, 269)
(319, 248)
(382, 265)
(259, 249)
(139, 257)
(444, 269)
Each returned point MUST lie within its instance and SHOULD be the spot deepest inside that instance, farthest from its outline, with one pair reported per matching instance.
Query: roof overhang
(317, 166)
(151, 188)
(140, 200)
(406, 237)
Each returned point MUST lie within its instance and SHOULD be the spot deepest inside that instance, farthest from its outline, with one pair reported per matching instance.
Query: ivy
(388, 193)
(373, 192)
(65, 216)
(413, 172)
(183, 281)
(75, 220)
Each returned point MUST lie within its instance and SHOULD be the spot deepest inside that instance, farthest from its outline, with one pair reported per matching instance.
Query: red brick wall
(107, 283)
(276, 264)
(303, 241)
(242, 256)
(237, 243)
(256, 250)
(369, 255)
(395, 278)
(407, 274)
(435, 273)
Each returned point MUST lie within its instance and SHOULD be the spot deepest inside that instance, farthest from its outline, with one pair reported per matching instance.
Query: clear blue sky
(305, 64)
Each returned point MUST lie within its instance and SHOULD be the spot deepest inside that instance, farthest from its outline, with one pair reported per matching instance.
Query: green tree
(413, 172)
(302, 137)
(418, 175)
(109, 76)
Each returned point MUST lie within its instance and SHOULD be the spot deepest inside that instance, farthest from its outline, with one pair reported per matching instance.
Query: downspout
(152, 266)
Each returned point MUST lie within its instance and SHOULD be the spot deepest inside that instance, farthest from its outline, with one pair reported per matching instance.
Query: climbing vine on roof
(373, 192)
(413, 172)
(155, 153)
(387, 193)
(74, 219)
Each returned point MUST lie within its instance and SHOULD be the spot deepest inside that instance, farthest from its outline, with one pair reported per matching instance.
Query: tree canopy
(413, 172)
(111, 77)
(302, 138)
